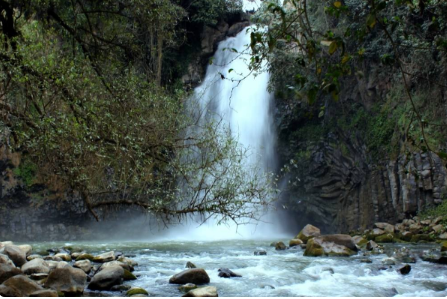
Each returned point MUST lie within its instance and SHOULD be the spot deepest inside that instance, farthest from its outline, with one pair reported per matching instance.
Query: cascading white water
(240, 98)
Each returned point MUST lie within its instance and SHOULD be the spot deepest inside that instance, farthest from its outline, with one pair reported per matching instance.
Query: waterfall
(234, 94)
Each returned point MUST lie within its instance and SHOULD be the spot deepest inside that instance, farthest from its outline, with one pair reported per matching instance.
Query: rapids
(279, 273)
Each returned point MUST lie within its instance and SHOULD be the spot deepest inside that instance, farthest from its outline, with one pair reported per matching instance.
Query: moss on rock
(136, 291)
(128, 275)
(387, 238)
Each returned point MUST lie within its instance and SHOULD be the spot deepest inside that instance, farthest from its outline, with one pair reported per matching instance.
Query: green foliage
(26, 171)
(435, 211)
(209, 12)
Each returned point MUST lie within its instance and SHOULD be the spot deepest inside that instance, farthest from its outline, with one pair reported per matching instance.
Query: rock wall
(336, 184)
(27, 214)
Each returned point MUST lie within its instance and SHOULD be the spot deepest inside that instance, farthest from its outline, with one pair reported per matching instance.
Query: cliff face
(338, 180)
(33, 213)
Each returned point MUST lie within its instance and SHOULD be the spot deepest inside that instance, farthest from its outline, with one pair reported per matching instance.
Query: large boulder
(36, 266)
(107, 278)
(371, 245)
(15, 254)
(331, 245)
(202, 292)
(27, 249)
(19, 286)
(84, 265)
(7, 271)
(68, 280)
(308, 232)
(385, 238)
(104, 257)
(195, 276)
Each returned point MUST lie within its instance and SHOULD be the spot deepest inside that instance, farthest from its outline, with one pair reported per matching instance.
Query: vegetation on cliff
(86, 97)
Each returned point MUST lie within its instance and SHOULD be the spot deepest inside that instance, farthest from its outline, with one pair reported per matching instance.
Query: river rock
(202, 292)
(385, 238)
(371, 245)
(70, 281)
(128, 261)
(136, 291)
(4, 259)
(38, 276)
(120, 288)
(27, 249)
(376, 232)
(227, 273)
(444, 246)
(84, 265)
(128, 275)
(260, 252)
(405, 269)
(4, 243)
(85, 256)
(107, 278)
(75, 255)
(280, 246)
(33, 256)
(190, 265)
(15, 254)
(389, 262)
(295, 242)
(104, 257)
(385, 226)
(308, 232)
(196, 276)
(116, 263)
(437, 220)
(7, 271)
(331, 245)
(44, 293)
(415, 228)
(406, 236)
(435, 257)
(187, 287)
(53, 258)
(19, 286)
(36, 266)
(359, 241)
(438, 228)
(64, 256)
(366, 261)
(443, 236)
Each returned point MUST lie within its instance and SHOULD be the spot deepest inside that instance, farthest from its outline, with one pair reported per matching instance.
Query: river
(280, 273)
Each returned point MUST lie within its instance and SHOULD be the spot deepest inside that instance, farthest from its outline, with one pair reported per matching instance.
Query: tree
(80, 103)
(329, 41)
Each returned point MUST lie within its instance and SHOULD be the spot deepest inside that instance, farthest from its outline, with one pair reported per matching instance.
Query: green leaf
(371, 21)
(230, 70)
(333, 48)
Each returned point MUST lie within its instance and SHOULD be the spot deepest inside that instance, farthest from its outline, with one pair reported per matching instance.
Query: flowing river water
(279, 273)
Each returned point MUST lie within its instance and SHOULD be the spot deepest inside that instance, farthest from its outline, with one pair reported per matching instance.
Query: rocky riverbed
(309, 264)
